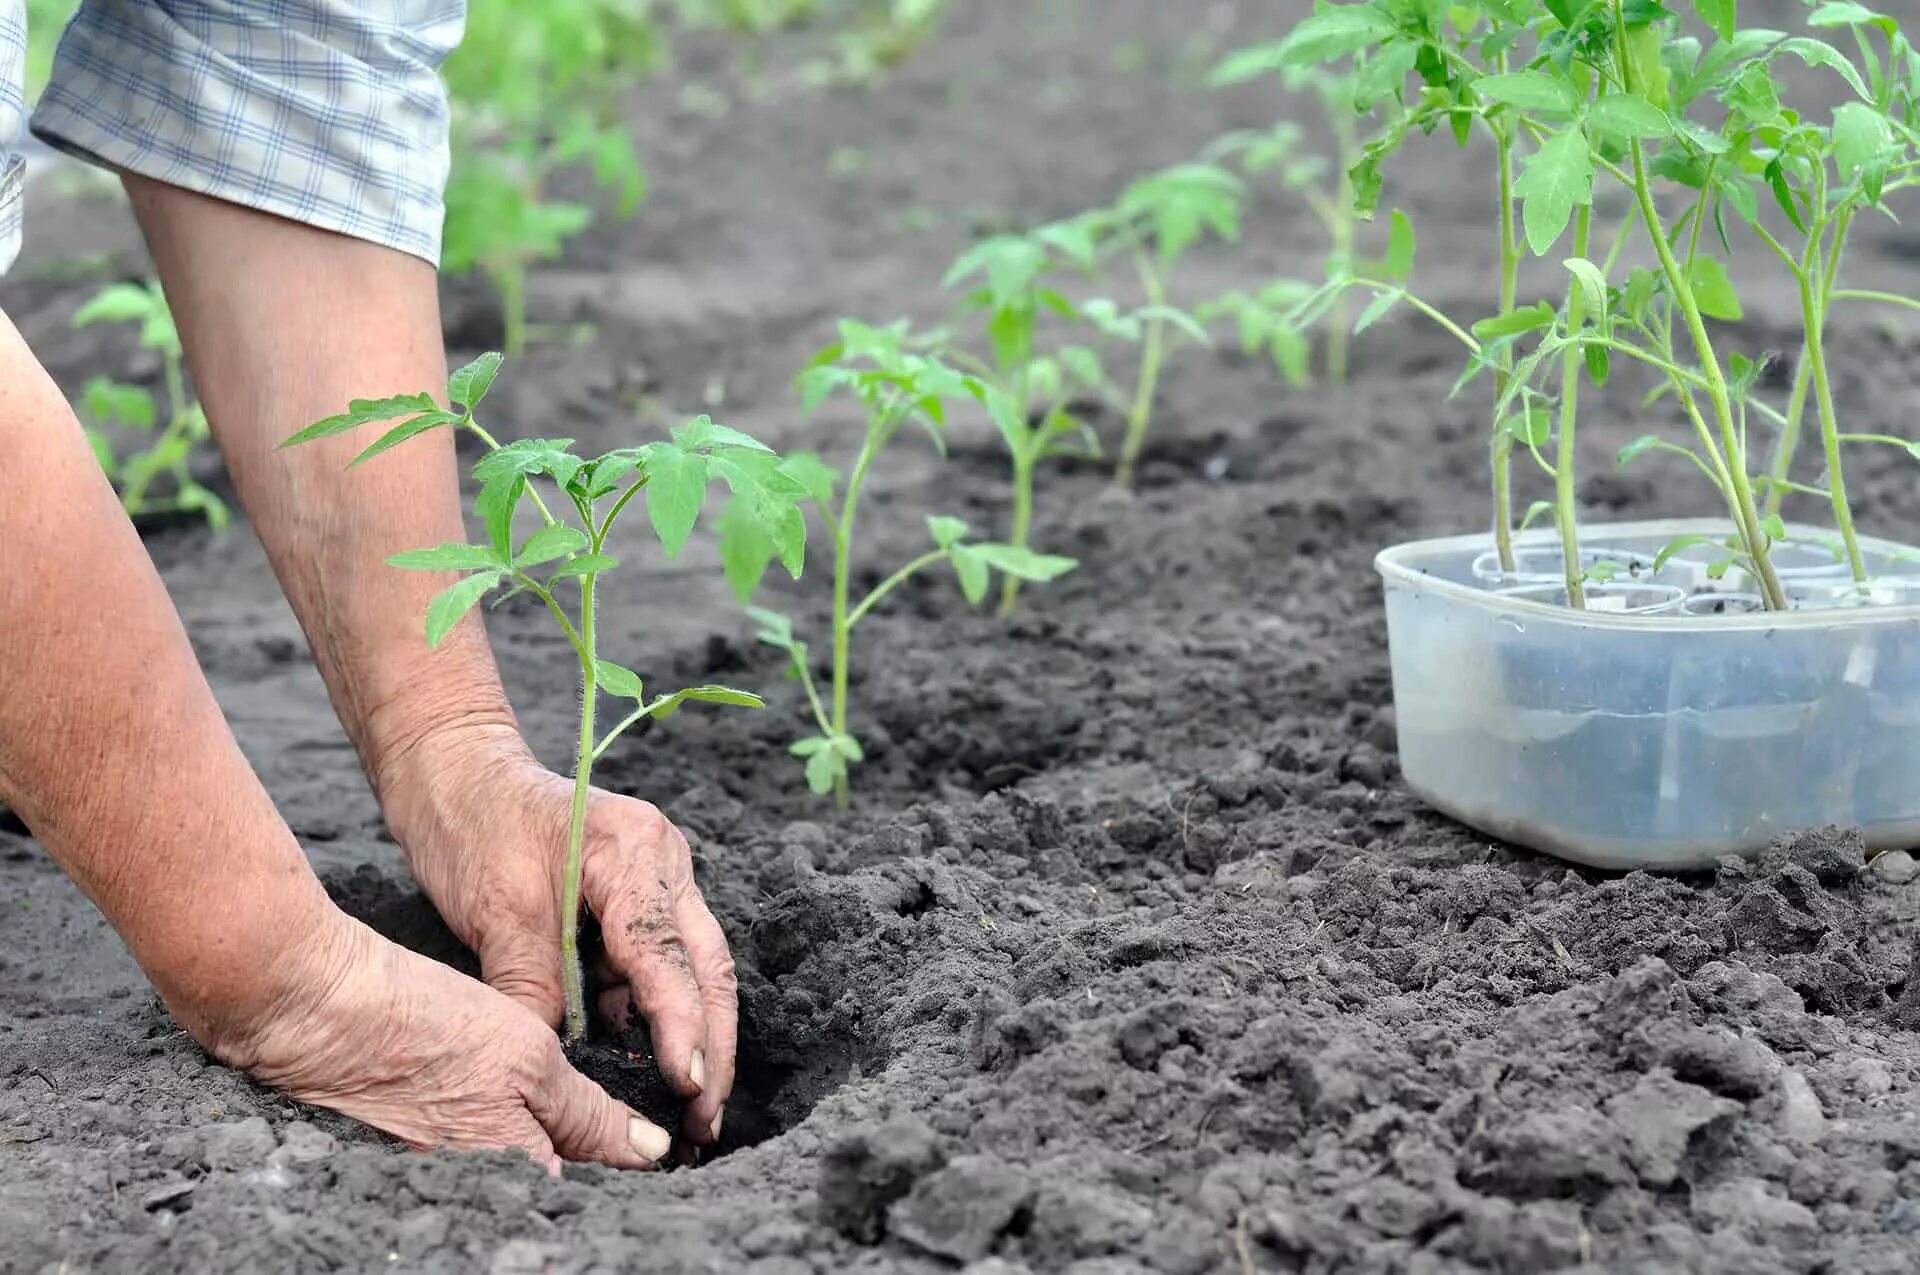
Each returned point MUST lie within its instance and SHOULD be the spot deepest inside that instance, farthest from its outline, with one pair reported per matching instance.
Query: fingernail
(698, 1069)
(718, 1117)
(648, 1139)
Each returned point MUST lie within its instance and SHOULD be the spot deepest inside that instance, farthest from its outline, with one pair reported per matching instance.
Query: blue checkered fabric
(327, 112)
(13, 57)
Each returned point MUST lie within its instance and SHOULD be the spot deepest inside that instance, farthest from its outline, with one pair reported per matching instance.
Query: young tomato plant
(895, 387)
(1579, 90)
(564, 559)
(157, 479)
(1028, 393)
(535, 91)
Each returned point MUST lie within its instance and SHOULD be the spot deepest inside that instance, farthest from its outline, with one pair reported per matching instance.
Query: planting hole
(787, 1062)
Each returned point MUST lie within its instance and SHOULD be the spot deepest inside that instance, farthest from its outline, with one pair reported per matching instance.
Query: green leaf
(402, 432)
(1819, 53)
(676, 491)
(1718, 14)
(775, 629)
(703, 433)
(1529, 91)
(1533, 318)
(453, 602)
(667, 705)
(814, 475)
(1712, 290)
(1599, 365)
(1532, 425)
(556, 540)
(617, 679)
(116, 303)
(365, 411)
(848, 747)
(946, 532)
(1377, 309)
(1178, 319)
(824, 770)
(530, 456)
(1025, 563)
(1334, 32)
(1637, 448)
(495, 505)
(1861, 139)
(449, 557)
(1249, 64)
(746, 551)
(1558, 177)
(585, 564)
(470, 384)
(1625, 115)
(1846, 13)
(1676, 545)
(1775, 528)
(1400, 248)
(971, 568)
(1592, 293)
(1538, 509)
(1083, 365)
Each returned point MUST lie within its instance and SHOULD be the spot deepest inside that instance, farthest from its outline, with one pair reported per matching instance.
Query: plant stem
(1341, 228)
(1509, 281)
(1812, 315)
(571, 975)
(1789, 442)
(1152, 351)
(511, 281)
(842, 559)
(1563, 467)
(893, 582)
(1022, 527)
(1746, 517)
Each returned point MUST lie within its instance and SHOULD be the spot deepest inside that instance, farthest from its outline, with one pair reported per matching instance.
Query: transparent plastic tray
(1674, 721)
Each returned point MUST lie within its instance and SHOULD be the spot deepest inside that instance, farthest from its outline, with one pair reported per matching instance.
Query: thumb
(587, 1124)
(518, 965)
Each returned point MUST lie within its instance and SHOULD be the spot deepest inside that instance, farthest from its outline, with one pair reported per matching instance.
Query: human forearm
(112, 748)
(283, 324)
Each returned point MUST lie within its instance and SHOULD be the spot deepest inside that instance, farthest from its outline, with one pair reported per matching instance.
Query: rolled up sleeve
(13, 56)
(326, 112)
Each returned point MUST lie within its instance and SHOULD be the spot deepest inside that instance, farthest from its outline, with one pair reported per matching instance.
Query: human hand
(484, 827)
(420, 1051)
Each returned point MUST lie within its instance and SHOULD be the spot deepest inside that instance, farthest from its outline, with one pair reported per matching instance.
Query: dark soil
(1133, 955)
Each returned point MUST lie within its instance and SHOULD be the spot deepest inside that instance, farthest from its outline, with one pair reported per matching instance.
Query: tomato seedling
(567, 556)
(106, 404)
(535, 91)
(896, 387)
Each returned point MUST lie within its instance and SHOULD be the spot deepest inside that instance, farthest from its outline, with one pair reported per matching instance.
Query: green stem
(571, 974)
(1509, 281)
(1565, 513)
(1789, 442)
(1341, 227)
(1151, 353)
(842, 573)
(1746, 516)
(1447, 325)
(512, 284)
(1815, 320)
(1867, 294)
(1022, 527)
(893, 582)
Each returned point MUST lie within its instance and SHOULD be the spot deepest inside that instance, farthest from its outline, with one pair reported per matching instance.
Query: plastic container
(1678, 726)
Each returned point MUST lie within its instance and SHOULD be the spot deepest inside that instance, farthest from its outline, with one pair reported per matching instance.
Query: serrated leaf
(448, 557)
(402, 432)
(1529, 91)
(470, 384)
(1400, 248)
(1861, 139)
(1519, 322)
(530, 456)
(1558, 178)
(813, 474)
(1599, 364)
(1178, 319)
(1593, 291)
(1637, 448)
(1713, 290)
(703, 433)
(775, 629)
(667, 705)
(1626, 115)
(1718, 14)
(617, 679)
(585, 564)
(1025, 563)
(975, 576)
(1334, 32)
(1819, 53)
(452, 603)
(365, 411)
(1533, 425)
(824, 769)
(556, 540)
(676, 492)
(495, 504)
(1377, 309)
(946, 531)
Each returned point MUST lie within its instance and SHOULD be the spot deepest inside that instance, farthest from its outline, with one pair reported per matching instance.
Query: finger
(713, 970)
(584, 1123)
(522, 966)
(642, 936)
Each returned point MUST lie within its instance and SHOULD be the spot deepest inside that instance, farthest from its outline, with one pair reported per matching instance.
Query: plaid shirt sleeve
(327, 112)
(13, 55)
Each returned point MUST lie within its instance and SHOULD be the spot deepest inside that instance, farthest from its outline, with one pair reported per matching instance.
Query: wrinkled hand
(484, 827)
(416, 1049)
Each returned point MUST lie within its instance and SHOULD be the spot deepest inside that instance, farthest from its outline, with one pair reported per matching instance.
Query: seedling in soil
(535, 91)
(567, 555)
(1029, 394)
(1598, 88)
(896, 387)
(158, 479)
(1326, 188)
